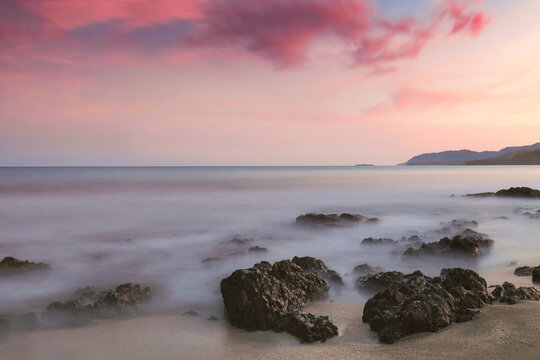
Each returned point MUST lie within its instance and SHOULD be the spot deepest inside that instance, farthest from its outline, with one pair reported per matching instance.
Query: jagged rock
(525, 270)
(379, 241)
(269, 297)
(10, 266)
(365, 269)
(417, 303)
(456, 246)
(88, 303)
(257, 249)
(509, 294)
(519, 192)
(374, 282)
(344, 219)
(318, 267)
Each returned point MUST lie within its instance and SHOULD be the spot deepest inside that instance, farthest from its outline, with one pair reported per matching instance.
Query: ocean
(154, 226)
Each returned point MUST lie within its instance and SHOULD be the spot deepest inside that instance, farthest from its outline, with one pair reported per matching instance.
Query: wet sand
(499, 332)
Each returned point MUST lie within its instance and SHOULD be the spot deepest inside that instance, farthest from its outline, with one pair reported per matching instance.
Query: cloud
(281, 32)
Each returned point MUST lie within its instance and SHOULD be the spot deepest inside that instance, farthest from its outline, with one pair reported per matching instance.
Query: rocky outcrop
(536, 275)
(257, 249)
(318, 267)
(89, 303)
(365, 269)
(10, 266)
(518, 192)
(417, 303)
(271, 297)
(456, 246)
(525, 270)
(509, 294)
(345, 219)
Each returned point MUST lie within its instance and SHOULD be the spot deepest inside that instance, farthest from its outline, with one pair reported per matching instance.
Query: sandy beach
(499, 332)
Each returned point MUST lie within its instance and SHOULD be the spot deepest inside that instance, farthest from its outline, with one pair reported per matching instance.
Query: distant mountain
(462, 157)
(526, 157)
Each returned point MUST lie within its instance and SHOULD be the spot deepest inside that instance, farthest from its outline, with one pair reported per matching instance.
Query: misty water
(154, 226)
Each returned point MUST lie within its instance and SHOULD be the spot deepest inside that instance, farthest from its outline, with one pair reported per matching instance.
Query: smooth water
(104, 226)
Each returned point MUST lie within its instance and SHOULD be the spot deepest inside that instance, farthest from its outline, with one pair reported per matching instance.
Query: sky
(266, 82)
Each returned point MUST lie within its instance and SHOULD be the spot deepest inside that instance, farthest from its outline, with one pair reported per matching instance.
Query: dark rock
(380, 241)
(10, 266)
(318, 267)
(378, 281)
(240, 241)
(519, 192)
(522, 192)
(215, 259)
(417, 303)
(536, 275)
(257, 249)
(212, 318)
(509, 294)
(456, 246)
(191, 313)
(525, 270)
(89, 303)
(365, 269)
(271, 297)
(344, 219)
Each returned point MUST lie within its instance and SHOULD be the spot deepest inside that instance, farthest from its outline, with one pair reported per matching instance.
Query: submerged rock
(257, 249)
(525, 270)
(88, 303)
(239, 241)
(509, 294)
(519, 192)
(318, 267)
(365, 269)
(344, 219)
(379, 241)
(271, 297)
(469, 246)
(417, 303)
(191, 313)
(10, 266)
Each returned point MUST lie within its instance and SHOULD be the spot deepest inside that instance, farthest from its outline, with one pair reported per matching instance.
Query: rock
(522, 192)
(89, 303)
(509, 294)
(344, 219)
(365, 269)
(456, 246)
(417, 303)
(318, 267)
(10, 266)
(257, 249)
(380, 241)
(191, 313)
(525, 270)
(536, 275)
(271, 297)
(240, 241)
(519, 192)
(215, 259)
(212, 318)
(378, 281)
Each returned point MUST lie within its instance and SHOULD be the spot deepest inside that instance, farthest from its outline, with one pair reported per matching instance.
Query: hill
(528, 157)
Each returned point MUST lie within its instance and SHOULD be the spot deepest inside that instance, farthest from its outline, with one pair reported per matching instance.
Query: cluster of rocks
(237, 246)
(272, 296)
(345, 219)
(529, 212)
(415, 303)
(459, 245)
(89, 303)
(509, 294)
(528, 271)
(518, 192)
(10, 266)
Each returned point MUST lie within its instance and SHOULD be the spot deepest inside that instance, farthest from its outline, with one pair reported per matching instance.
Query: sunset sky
(264, 82)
